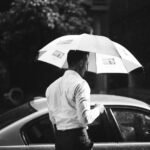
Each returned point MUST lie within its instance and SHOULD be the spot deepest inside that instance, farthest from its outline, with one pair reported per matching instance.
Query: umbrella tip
(91, 31)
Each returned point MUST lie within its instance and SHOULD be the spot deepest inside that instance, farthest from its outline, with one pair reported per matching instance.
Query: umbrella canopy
(105, 56)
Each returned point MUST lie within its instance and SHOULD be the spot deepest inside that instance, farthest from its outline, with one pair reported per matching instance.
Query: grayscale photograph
(74, 75)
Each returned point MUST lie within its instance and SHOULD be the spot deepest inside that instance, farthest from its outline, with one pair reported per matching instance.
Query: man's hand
(100, 107)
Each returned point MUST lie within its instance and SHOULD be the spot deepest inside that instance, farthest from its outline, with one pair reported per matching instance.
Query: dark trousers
(74, 139)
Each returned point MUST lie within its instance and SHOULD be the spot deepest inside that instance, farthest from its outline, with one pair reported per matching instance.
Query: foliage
(30, 24)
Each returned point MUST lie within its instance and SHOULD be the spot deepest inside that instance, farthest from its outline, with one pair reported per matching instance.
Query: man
(68, 101)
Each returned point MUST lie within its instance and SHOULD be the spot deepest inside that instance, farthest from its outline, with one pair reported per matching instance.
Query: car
(124, 120)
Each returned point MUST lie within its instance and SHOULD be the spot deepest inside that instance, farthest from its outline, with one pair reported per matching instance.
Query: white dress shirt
(68, 100)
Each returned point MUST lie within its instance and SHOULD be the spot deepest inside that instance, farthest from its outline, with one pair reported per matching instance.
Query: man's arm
(49, 105)
(86, 115)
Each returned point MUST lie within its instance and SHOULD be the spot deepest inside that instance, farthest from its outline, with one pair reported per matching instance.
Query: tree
(30, 24)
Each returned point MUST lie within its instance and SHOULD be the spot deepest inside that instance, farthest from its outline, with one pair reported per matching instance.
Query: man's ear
(81, 63)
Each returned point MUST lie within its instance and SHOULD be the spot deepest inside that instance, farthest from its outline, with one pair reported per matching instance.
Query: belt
(77, 130)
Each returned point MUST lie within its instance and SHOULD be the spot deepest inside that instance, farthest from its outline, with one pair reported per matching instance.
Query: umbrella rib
(80, 41)
(123, 60)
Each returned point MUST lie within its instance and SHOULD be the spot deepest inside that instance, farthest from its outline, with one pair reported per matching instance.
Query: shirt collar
(72, 72)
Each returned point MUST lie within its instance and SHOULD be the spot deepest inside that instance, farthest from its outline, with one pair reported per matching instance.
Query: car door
(102, 130)
(40, 131)
(133, 123)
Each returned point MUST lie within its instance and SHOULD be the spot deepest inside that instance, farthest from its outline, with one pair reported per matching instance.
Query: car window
(39, 131)
(134, 124)
(100, 130)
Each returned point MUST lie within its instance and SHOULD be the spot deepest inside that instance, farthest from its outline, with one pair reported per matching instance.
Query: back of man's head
(74, 56)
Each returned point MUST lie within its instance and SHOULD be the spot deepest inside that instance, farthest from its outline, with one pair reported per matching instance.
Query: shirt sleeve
(47, 94)
(82, 95)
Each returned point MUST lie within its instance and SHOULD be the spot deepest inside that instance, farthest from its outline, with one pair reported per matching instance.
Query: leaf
(30, 24)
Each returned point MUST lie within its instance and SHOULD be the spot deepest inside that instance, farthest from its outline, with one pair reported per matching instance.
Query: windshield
(16, 114)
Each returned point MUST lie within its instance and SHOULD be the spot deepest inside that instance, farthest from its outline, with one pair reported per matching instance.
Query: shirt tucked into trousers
(68, 100)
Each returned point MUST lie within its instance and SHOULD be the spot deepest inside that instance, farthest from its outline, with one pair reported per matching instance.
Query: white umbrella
(129, 61)
(105, 56)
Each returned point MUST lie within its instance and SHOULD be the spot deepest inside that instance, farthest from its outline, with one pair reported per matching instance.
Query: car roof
(113, 100)
(118, 100)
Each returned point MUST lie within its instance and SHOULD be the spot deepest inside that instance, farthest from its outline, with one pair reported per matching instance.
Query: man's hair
(74, 56)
